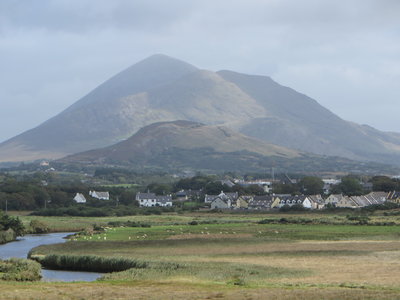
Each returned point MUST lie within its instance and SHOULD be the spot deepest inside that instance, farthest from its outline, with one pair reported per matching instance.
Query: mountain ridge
(161, 88)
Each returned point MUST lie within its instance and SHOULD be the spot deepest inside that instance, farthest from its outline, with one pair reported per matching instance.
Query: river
(21, 247)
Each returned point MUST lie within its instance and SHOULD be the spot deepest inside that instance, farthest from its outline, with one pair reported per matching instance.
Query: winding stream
(21, 247)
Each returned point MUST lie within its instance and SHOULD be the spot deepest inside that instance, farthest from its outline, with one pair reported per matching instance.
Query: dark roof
(145, 195)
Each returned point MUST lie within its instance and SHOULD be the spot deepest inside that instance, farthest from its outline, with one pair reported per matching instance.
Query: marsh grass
(90, 263)
(215, 273)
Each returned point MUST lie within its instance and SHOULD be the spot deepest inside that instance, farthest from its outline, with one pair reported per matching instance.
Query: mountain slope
(299, 122)
(161, 88)
(177, 145)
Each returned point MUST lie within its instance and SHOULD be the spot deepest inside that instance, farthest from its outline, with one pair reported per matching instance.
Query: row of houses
(80, 198)
(373, 198)
(234, 201)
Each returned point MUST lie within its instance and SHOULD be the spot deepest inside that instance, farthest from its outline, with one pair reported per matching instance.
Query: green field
(227, 256)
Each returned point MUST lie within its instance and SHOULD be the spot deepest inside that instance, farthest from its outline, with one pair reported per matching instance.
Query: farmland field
(222, 256)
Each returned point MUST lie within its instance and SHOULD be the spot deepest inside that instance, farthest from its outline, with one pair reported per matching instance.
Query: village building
(346, 202)
(79, 198)
(188, 195)
(100, 195)
(221, 203)
(317, 202)
(294, 200)
(243, 202)
(151, 200)
(328, 184)
(373, 198)
(232, 196)
(394, 197)
(333, 199)
(264, 202)
(264, 184)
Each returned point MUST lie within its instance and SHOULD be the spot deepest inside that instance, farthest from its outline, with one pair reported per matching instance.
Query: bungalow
(151, 200)
(100, 195)
(79, 198)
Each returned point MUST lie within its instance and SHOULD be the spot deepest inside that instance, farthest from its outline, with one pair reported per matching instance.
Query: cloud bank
(346, 55)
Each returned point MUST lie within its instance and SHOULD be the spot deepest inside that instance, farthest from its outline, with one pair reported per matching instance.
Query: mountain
(161, 88)
(177, 145)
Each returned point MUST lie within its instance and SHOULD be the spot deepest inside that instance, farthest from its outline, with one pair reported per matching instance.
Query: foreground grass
(230, 257)
(186, 290)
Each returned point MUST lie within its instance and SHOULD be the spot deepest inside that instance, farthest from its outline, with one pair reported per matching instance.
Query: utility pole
(6, 205)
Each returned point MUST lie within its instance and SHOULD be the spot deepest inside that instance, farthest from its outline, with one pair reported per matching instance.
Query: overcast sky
(344, 54)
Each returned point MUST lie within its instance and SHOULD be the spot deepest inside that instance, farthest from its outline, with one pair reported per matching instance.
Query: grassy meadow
(224, 256)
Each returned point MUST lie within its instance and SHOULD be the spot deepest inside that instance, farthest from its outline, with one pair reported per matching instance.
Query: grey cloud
(343, 53)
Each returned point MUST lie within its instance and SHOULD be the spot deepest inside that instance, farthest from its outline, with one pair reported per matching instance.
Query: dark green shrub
(37, 226)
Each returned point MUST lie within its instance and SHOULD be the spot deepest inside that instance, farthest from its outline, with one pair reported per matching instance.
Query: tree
(349, 186)
(384, 183)
(311, 185)
(14, 223)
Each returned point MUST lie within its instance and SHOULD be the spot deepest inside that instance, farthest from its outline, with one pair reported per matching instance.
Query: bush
(361, 219)
(18, 269)
(37, 226)
(128, 224)
(7, 236)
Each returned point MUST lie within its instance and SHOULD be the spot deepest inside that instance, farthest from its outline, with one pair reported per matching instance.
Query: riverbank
(23, 245)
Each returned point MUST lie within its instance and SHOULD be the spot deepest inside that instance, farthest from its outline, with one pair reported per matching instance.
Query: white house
(151, 200)
(79, 198)
(100, 195)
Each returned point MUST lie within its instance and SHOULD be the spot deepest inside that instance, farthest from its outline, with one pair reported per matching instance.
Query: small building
(373, 198)
(188, 195)
(394, 197)
(329, 183)
(243, 202)
(333, 199)
(264, 202)
(221, 203)
(316, 201)
(151, 200)
(294, 200)
(232, 196)
(79, 198)
(100, 195)
(346, 202)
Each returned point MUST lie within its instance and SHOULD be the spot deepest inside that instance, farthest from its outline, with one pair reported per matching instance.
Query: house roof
(80, 198)
(393, 195)
(145, 196)
(164, 198)
(101, 194)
